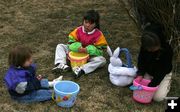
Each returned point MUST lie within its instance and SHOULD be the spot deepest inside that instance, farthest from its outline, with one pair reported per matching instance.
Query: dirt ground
(42, 24)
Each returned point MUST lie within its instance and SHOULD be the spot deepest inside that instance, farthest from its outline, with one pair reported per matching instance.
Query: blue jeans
(38, 95)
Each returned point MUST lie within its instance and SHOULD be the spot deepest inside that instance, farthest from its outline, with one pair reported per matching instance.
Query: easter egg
(65, 98)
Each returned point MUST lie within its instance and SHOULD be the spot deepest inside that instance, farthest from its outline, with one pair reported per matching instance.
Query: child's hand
(82, 50)
(148, 77)
(139, 77)
(39, 77)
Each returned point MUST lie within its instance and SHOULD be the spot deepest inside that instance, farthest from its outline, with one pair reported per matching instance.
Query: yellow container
(78, 59)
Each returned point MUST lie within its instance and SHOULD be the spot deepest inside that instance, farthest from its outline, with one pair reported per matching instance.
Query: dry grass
(42, 24)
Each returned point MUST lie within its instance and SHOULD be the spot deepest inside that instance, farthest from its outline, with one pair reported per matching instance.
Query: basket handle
(53, 96)
(128, 57)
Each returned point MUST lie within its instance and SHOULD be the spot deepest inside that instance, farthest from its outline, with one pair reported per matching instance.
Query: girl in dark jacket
(155, 57)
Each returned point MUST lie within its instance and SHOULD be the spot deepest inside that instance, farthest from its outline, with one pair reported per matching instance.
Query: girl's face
(88, 26)
(28, 62)
(154, 49)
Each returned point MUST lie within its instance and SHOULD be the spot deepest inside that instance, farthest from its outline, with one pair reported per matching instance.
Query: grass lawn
(42, 24)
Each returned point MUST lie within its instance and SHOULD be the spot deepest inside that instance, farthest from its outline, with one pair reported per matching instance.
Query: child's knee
(59, 46)
(62, 47)
(100, 59)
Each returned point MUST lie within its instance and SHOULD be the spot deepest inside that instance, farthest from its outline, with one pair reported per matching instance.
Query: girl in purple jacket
(21, 80)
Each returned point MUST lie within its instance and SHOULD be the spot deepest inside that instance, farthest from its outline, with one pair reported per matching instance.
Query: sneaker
(78, 72)
(58, 79)
(52, 83)
(61, 68)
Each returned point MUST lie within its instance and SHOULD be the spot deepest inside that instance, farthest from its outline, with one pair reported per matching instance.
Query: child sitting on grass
(21, 80)
(84, 39)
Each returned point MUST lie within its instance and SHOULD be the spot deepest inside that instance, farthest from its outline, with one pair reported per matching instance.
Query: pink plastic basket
(146, 93)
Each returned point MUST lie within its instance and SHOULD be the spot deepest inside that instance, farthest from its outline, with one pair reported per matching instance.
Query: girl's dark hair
(18, 56)
(149, 40)
(93, 17)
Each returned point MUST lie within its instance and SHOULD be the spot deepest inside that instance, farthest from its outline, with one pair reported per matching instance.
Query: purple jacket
(21, 81)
